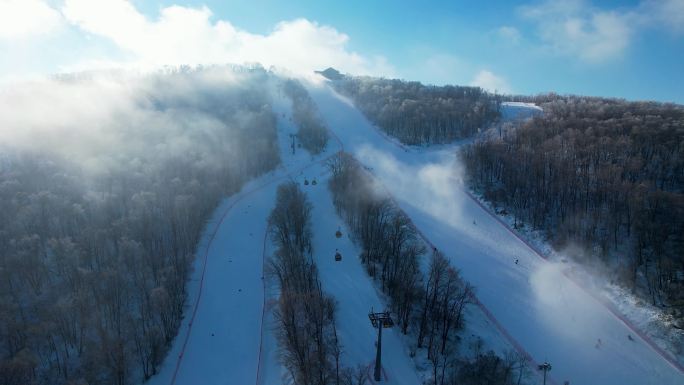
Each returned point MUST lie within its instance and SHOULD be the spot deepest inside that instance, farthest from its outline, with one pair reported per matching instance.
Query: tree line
(94, 264)
(311, 130)
(604, 174)
(429, 305)
(306, 330)
(421, 114)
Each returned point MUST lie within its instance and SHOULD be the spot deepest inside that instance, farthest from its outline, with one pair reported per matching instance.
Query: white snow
(224, 344)
(521, 105)
(519, 110)
(355, 293)
(539, 308)
(550, 316)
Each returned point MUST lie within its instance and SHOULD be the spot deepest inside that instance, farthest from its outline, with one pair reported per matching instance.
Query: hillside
(260, 296)
(602, 177)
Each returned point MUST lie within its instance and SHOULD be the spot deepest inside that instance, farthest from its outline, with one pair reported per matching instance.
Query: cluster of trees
(444, 298)
(391, 246)
(421, 114)
(306, 316)
(95, 254)
(488, 368)
(431, 305)
(312, 132)
(604, 174)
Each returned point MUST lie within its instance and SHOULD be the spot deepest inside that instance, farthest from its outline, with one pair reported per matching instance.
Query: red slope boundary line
(486, 311)
(609, 306)
(516, 345)
(263, 306)
(237, 199)
(603, 301)
(218, 224)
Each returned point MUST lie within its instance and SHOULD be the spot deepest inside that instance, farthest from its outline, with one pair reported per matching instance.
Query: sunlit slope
(221, 337)
(548, 315)
(227, 336)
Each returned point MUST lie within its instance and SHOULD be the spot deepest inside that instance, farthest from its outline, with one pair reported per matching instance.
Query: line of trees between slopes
(421, 114)
(428, 305)
(95, 251)
(311, 130)
(601, 174)
(305, 315)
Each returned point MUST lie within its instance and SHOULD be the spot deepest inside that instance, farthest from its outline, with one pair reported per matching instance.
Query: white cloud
(20, 19)
(436, 196)
(183, 35)
(105, 119)
(669, 13)
(508, 33)
(491, 82)
(575, 28)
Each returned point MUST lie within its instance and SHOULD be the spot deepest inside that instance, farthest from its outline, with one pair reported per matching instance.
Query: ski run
(526, 303)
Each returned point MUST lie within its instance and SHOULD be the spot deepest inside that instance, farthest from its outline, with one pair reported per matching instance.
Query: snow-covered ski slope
(548, 315)
(227, 334)
(220, 339)
(355, 293)
(519, 110)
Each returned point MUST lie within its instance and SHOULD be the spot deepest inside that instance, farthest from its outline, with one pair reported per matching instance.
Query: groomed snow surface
(536, 307)
(519, 110)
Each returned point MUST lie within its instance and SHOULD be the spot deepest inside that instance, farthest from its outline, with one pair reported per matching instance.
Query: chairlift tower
(546, 367)
(379, 320)
(293, 137)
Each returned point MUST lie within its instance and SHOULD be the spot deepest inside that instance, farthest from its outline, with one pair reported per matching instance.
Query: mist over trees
(429, 305)
(311, 132)
(305, 315)
(421, 114)
(602, 174)
(106, 183)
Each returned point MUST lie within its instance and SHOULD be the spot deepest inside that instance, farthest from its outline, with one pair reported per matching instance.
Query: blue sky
(630, 49)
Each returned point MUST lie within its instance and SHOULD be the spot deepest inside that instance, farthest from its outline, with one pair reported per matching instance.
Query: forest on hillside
(421, 114)
(311, 130)
(305, 316)
(605, 175)
(104, 194)
(430, 303)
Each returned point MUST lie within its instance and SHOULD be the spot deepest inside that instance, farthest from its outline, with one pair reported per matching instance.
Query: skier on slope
(598, 343)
